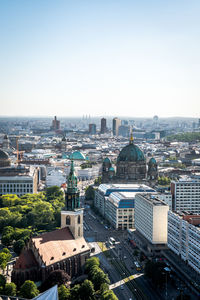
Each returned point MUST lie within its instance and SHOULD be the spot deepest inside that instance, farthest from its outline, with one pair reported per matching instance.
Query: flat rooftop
(107, 189)
(153, 199)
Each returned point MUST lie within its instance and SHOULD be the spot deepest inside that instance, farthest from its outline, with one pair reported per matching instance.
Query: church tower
(72, 215)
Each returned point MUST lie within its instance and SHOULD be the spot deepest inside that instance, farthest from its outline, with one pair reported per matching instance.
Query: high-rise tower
(116, 124)
(72, 215)
(103, 125)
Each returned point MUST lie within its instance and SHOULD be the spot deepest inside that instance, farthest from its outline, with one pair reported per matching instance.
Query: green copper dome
(131, 153)
(77, 155)
(107, 160)
(152, 161)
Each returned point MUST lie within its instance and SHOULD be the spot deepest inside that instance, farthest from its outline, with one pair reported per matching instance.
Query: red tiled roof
(26, 260)
(57, 245)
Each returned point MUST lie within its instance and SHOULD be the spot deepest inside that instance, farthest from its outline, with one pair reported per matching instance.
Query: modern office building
(186, 195)
(124, 194)
(119, 210)
(103, 126)
(92, 128)
(116, 124)
(184, 237)
(151, 218)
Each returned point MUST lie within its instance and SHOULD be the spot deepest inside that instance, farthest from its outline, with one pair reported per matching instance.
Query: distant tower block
(103, 126)
(116, 124)
(72, 215)
(55, 124)
(6, 142)
(92, 128)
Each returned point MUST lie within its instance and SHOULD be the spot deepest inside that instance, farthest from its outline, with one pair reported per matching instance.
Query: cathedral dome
(131, 153)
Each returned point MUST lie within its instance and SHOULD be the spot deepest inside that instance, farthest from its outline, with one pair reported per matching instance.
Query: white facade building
(19, 180)
(151, 218)
(55, 177)
(119, 210)
(116, 202)
(167, 198)
(184, 238)
(186, 195)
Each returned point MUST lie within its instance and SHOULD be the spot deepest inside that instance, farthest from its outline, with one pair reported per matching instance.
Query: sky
(100, 57)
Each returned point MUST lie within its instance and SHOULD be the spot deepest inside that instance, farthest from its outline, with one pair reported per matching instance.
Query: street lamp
(166, 271)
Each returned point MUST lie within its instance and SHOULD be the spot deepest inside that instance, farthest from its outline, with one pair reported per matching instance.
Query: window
(79, 232)
(79, 219)
(68, 220)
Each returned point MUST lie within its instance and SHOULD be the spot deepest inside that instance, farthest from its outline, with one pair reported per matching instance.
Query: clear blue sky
(127, 58)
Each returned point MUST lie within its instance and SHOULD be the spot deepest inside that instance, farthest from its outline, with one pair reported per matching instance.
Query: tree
(7, 235)
(58, 277)
(99, 278)
(10, 289)
(2, 283)
(43, 212)
(54, 192)
(89, 193)
(18, 246)
(93, 261)
(22, 234)
(75, 292)
(109, 295)
(63, 292)
(29, 290)
(98, 180)
(86, 290)
(103, 288)
(5, 257)
(9, 200)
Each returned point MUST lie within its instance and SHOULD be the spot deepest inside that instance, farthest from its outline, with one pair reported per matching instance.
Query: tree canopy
(29, 290)
(5, 257)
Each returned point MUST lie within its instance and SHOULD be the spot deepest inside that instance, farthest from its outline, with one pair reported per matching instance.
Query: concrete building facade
(151, 218)
(186, 195)
(184, 237)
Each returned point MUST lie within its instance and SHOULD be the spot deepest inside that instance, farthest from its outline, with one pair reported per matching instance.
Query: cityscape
(99, 150)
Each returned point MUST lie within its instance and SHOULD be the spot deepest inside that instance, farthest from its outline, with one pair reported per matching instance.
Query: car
(125, 257)
(121, 287)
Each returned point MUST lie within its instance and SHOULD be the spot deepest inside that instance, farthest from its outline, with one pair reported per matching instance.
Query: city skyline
(123, 58)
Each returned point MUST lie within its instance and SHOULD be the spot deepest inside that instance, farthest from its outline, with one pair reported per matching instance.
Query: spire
(72, 194)
(131, 138)
(72, 179)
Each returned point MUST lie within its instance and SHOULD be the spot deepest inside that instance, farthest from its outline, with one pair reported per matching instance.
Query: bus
(112, 240)
(137, 265)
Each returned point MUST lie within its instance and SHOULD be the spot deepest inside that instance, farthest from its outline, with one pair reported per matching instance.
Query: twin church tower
(72, 215)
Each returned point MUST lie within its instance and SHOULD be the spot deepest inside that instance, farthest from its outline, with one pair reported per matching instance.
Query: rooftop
(153, 199)
(106, 189)
(58, 245)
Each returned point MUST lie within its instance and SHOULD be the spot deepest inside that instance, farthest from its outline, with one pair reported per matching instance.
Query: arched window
(68, 220)
(79, 231)
(79, 219)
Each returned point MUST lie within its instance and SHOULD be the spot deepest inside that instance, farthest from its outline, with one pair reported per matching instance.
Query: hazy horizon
(106, 58)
